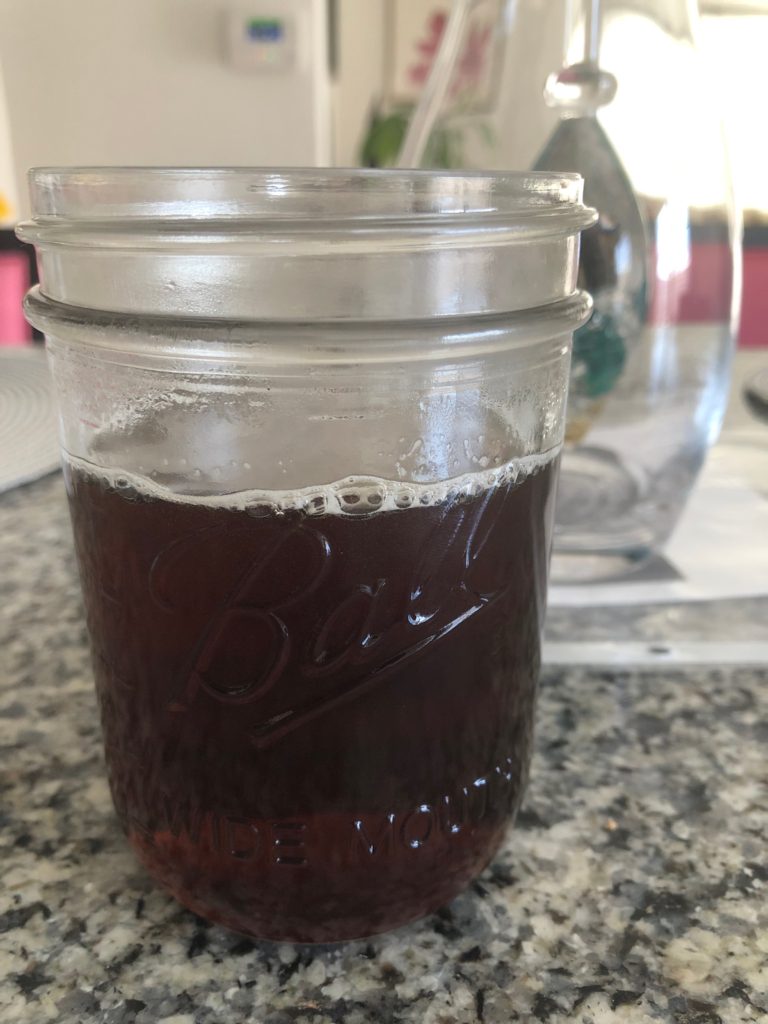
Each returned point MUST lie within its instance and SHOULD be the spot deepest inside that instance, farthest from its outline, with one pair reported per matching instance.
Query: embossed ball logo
(252, 647)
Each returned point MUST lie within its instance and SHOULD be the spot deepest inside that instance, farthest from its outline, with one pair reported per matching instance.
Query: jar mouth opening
(304, 244)
(99, 194)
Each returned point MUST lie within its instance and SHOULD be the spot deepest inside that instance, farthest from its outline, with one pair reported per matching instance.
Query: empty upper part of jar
(304, 245)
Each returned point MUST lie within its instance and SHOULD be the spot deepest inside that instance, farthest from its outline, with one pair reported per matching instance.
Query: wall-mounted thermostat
(260, 41)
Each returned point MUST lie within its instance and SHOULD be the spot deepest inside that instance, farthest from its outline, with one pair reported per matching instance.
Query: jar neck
(393, 342)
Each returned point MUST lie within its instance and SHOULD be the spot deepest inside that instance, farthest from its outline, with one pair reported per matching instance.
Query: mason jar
(310, 426)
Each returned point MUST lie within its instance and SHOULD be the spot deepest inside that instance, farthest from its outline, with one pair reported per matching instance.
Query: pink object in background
(472, 66)
(14, 281)
(698, 293)
(419, 73)
(754, 306)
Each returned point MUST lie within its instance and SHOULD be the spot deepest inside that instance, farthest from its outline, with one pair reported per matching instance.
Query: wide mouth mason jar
(310, 423)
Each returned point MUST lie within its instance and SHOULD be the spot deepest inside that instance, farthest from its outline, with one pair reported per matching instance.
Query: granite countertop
(632, 889)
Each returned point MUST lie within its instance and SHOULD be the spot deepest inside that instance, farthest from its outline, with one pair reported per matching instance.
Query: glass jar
(310, 423)
(616, 91)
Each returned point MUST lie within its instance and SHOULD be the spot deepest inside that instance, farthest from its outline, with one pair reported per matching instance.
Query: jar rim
(88, 194)
(304, 244)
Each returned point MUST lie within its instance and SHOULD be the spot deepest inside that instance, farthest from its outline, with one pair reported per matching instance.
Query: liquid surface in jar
(317, 706)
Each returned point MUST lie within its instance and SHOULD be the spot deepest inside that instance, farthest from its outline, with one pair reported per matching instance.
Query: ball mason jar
(310, 424)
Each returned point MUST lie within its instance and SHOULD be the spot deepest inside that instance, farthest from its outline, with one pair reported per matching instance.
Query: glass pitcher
(624, 101)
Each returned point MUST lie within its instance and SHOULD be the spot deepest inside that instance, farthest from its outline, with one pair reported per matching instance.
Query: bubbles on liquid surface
(362, 497)
(317, 505)
(263, 509)
(352, 496)
(127, 488)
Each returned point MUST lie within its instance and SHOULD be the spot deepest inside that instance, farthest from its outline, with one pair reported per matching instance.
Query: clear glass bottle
(632, 110)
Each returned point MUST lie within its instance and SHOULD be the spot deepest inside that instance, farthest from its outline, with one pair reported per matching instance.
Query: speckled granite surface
(633, 889)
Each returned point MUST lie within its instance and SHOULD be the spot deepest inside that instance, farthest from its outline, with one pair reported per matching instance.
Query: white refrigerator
(196, 82)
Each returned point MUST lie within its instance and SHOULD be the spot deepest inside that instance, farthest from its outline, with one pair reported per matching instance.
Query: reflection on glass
(650, 372)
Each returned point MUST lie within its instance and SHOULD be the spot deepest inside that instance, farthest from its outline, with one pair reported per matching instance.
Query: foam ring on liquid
(352, 496)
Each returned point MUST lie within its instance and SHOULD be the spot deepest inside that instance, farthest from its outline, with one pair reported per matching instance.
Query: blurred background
(302, 82)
